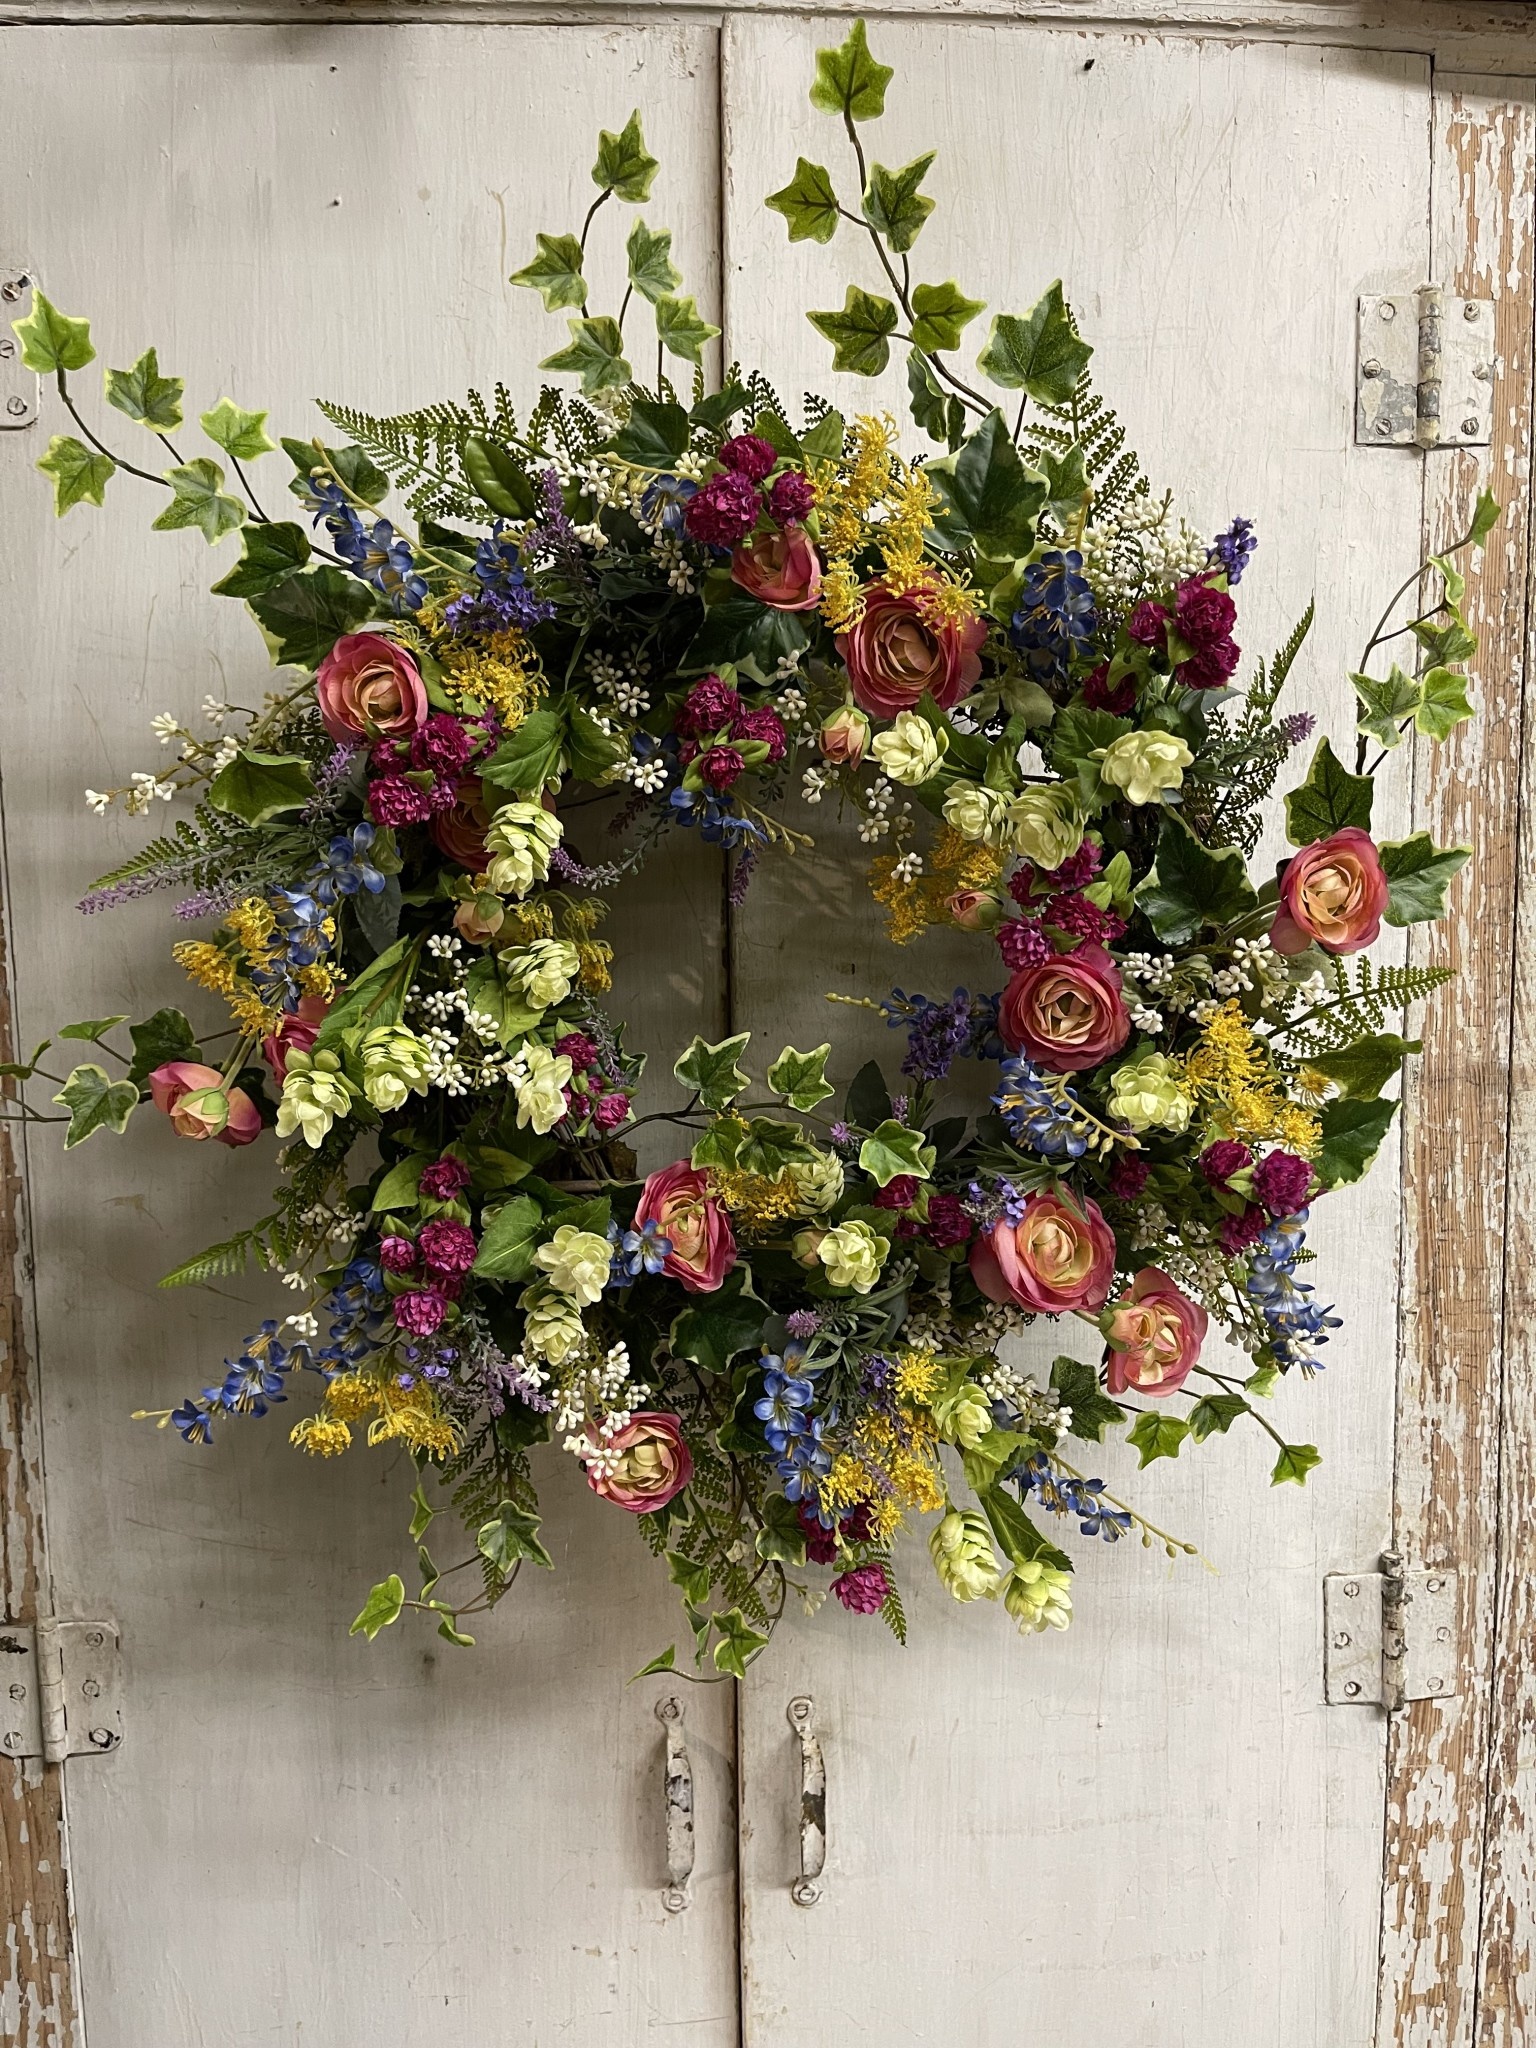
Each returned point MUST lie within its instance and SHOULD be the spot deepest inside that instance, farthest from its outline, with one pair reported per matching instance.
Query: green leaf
(1066, 477)
(654, 435)
(681, 329)
(1017, 1537)
(623, 166)
(199, 499)
(401, 1187)
(868, 1101)
(1215, 1413)
(79, 473)
(591, 750)
(510, 1535)
(1191, 887)
(1363, 1069)
(423, 1514)
(350, 466)
(144, 395)
(893, 206)
(1485, 518)
(270, 554)
(691, 1576)
(771, 1145)
(165, 1036)
(715, 1331)
(651, 269)
(1448, 642)
(94, 1100)
(781, 1539)
(1037, 352)
(1418, 874)
(555, 272)
(720, 1143)
(529, 757)
(1092, 1410)
(738, 1643)
(256, 786)
(1353, 1130)
(382, 1607)
(989, 499)
(509, 1238)
(860, 333)
(849, 81)
(51, 341)
(941, 415)
(941, 310)
(497, 478)
(496, 993)
(665, 1661)
(1157, 1436)
(595, 353)
(711, 1072)
(449, 1633)
(93, 1030)
(303, 618)
(1385, 701)
(239, 433)
(892, 1149)
(1328, 800)
(1294, 1463)
(376, 996)
(801, 1077)
(1443, 702)
(808, 203)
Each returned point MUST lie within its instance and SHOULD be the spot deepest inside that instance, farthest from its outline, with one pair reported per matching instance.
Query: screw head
(1371, 368)
(1383, 425)
(1469, 426)
(1341, 1640)
(1387, 310)
(1470, 310)
(12, 288)
(18, 1692)
(1351, 1588)
(1436, 1684)
(7, 347)
(95, 1639)
(675, 1899)
(1442, 1635)
(103, 1738)
(90, 1688)
(1352, 1690)
(12, 1739)
(16, 407)
(1434, 1585)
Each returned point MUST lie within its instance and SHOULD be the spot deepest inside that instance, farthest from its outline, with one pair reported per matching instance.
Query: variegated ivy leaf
(941, 311)
(623, 166)
(1443, 703)
(849, 81)
(808, 203)
(95, 1101)
(555, 273)
(801, 1077)
(595, 353)
(1485, 517)
(893, 1148)
(680, 329)
(711, 1070)
(651, 270)
(1038, 352)
(201, 501)
(860, 333)
(51, 341)
(144, 395)
(1385, 702)
(80, 474)
(894, 206)
(239, 433)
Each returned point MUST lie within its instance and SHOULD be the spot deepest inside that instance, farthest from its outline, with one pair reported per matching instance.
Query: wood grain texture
(304, 1838)
(1459, 1199)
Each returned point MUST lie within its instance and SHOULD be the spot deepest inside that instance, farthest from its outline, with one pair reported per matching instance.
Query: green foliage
(95, 1102)
(270, 554)
(711, 1072)
(719, 1327)
(509, 1239)
(1092, 1410)
(303, 617)
(1357, 1010)
(223, 1261)
(595, 353)
(801, 1077)
(1353, 1129)
(680, 328)
(80, 474)
(1330, 799)
(624, 167)
(495, 475)
(1443, 703)
(1418, 874)
(529, 757)
(849, 81)
(940, 414)
(51, 341)
(257, 786)
(1039, 352)
(382, 1607)
(1157, 1436)
(940, 312)
(242, 435)
(165, 1036)
(893, 1148)
(655, 434)
(808, 203)
(652, 272)
(1294, 1463)
(198, 498)
(989, 499)
(1363, 1069)
(1089, 422)
(893, 205)
(1215, 1414)
(1386, 702)
(1192, 888)
(144, 395)
(738, 1643)
(511, 1535)
(555, 272)
(860, 333)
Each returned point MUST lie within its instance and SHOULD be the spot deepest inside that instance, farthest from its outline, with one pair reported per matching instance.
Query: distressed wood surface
(303, 1837)
(1154, 1818)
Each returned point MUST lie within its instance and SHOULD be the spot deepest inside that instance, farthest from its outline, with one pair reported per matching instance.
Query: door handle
(805, 1891)
(679, 1797)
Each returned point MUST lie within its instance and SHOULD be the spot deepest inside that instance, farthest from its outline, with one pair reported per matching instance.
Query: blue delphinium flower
(665, 502)
(1233, 549)
(782, 1404)
(642, 1249)
(193, 1420)
(1296, 1322)
(804, 1460)
(1060, 1494)
(1034, 1115)
(1057, 616)
(344, 867)
(359, 1321)
(717, 822)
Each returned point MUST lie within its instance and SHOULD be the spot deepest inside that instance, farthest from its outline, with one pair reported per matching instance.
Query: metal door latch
(61, 1689)
(18, 384)
(1425, 371)
(1389, 1636)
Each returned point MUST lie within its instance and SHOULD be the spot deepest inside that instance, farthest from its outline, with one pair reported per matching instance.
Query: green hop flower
(963, 1417)
(961, 1547)
(1150, 1091)
(1043, 824)
(396, 1065)
(1144, 765)
(546, 971)
(1039, 1596)
(520, 840)
(577, 1262)
(315, 1094)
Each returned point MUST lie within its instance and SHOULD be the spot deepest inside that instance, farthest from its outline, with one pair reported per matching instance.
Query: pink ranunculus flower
(1333, 891)
(781, 569)
(1058, 1257)
(370, 689)
(1154, 1336)
(199, 1105)
(460, 831)
(1067, 1012)
(975, 910)
(678, 1201)
(296, 1032)
(895, 654)
(654, 1464)
(844, 737)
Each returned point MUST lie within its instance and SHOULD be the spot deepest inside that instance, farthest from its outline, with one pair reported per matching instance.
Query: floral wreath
(1015, 664)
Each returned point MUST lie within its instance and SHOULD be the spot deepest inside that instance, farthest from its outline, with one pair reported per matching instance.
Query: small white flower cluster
(647, 776)
(786, 666)
(1142, 548)
(166, 726)
(908, 868)
(813, 785)
(215, 710)
(142, 791)
(999, 1319)
(790, 704)
(672, 558)
(1150, 1224)
(338, 1225)
(596, 1402)
(303, 1325)
(445, 946)
(883, 811)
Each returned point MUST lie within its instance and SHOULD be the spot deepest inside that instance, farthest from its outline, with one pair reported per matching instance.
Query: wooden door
(304, 1838)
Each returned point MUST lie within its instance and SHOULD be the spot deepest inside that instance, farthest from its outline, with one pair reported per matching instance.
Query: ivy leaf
(989, 499)
(801, 1077)
(165, 1036)
(720, 1144)
(239, 433)
(941, 311)
(93, 1100)
(849, 81)
(91, 1029)
(1352, 1133)
(771, 1145)
(781, 1538)
(690, 1575)
(269, 555)
(303, 618)
(1294, 1463)
(510, 1535)
(893, 206)
(256, 786)
(595, 352)
(200, 500)
(681, 329)
(1092, 1409)
(144, 395)
(79, 473)
(808, 203)
(1215, 1413)
(1328, 800)
(591, 750)
(1157, 1436)
(1443, 703)
(711, 1072)
(623, 166)
(1485, 518)
(940, 415)
(860, 333)
(717, 1330)
(1037, 352)
(382, 1607)
(1385, 702)
(50, 340)
(555, 272)
(893, 1148)
(655, 434)
(1066, 477)
(400, 1189)
(739, 1641)
(1364, 1068)
(665, 1661)
(1418, 874)
(423, 1514)
(509, 1239)
(651, 269)
(363, 478)
(868, 1101)
(1450, 642)
(1190, 886)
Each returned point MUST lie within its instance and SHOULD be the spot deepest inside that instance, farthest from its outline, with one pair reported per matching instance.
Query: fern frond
(1358, 1011)
(223, 1261)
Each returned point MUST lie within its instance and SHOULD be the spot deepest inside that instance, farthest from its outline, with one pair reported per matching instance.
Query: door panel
(1153, 1819)
(304, 1838)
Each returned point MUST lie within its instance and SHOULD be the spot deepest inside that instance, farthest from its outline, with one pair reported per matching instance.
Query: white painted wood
(1153, 1820)
(304, 1838)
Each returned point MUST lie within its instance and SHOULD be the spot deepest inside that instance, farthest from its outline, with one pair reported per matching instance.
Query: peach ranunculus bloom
(1058, 1257)
(895, 655)
(653, 1464)
(1333, 891)
(199, 1105)
(781, 569)
(370, 689)
(678, 1201)
(1154, 1336)
(1067, 1012)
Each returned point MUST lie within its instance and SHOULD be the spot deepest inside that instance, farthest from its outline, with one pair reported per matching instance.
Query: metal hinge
(1389, 1636)
(61, 1689)
(19, 386)
(1425, 372)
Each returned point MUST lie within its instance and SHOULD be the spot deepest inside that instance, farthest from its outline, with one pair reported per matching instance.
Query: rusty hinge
(61, 1689)
(1389, 1636)
(1425, 372)
(18, 384)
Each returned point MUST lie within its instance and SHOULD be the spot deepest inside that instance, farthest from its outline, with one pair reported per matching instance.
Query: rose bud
(199, 1105)
(844, 738)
